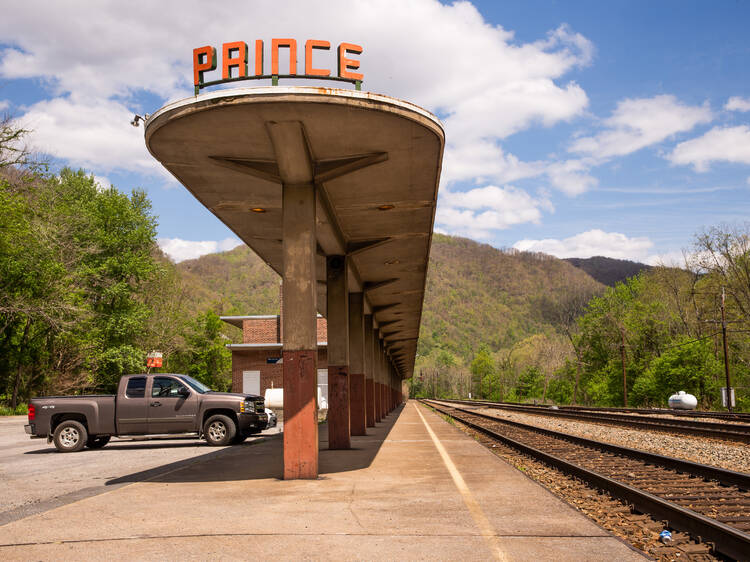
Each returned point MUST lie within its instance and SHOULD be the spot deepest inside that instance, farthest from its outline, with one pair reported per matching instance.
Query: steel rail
(727, 540)
(727, 431)
(742, 417)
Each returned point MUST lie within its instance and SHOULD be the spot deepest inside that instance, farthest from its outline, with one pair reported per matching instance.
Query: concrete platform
(414, 488)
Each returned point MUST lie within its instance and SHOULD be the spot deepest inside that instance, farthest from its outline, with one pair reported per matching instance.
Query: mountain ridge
(475, 293)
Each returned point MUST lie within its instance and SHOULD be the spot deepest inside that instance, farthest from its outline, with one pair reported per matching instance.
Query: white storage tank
(274, 398)
(683, 401)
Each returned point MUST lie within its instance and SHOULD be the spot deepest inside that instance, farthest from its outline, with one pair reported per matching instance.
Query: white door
(323, 389)
(251, 382)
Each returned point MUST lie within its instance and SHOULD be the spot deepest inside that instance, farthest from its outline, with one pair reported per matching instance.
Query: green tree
(688, 365)
(204, 355)
(530, 383)
(484, 374)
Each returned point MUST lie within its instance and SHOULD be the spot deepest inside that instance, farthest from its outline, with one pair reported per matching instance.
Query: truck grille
(260, 406)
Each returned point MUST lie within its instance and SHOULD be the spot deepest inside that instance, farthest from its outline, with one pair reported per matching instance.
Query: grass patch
(21, 410)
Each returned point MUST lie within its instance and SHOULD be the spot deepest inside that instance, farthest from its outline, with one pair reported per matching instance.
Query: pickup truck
(146, 404)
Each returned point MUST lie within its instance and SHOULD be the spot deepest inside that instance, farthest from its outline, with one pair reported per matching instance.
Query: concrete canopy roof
(376, 165)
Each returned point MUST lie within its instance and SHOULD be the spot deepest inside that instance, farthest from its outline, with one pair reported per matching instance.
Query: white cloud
(638, 123)
(94, 134)
(484, 160)
(446, 58)
(102, 182)
(571, 176)
(736, 103)
(667, 259)
(180, 250)
(720, 144)
(4, 104)
(478, 212)
(591, 243)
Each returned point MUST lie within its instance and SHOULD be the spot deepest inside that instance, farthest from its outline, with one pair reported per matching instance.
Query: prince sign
(234, 62)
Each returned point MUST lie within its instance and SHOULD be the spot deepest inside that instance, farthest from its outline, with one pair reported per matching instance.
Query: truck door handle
(155, 403)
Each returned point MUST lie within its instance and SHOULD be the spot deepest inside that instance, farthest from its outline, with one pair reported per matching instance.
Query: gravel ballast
(724, 454)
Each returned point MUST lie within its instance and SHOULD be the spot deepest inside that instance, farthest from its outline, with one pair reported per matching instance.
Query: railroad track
(727, 431)
(739, 417)
(709, 503)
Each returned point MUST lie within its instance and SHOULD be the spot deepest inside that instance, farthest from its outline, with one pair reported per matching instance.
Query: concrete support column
(391, 386)
(381, 396)
(376, 374)
(338, 353)
(369, 383)
(395, 388)
(384, 378)
(357, 415)
(300, 353)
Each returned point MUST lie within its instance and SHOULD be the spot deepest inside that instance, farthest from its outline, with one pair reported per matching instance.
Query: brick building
(257, 361)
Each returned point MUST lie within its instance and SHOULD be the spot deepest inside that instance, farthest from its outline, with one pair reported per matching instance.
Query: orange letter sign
(208, 54)
(346, 64)
(309, 46)
(259, 57)
(275, 44)
(240, 61)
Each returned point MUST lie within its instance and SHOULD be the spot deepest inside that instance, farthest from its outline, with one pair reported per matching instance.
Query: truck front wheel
(219, 430)
(70, 436)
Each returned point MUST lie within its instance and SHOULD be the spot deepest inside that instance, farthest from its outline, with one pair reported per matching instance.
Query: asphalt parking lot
(36, 477)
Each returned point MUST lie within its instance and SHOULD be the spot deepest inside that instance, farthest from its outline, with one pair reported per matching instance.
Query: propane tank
(683, 401)
(274, 398)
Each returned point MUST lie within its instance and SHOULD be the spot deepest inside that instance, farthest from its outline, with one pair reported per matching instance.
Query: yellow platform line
(485, 527)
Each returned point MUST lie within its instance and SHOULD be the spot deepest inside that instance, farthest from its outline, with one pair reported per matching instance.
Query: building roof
(241, 346)
(237, 320)
(375, 161)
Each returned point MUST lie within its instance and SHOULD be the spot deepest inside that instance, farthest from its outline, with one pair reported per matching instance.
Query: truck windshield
(198, 386)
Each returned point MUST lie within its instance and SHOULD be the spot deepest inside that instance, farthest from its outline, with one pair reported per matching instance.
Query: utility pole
(726, 351)
(624, 372)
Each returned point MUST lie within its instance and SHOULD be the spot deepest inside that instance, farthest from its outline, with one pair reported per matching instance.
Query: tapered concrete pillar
(384, 379)
(300, 374)
(338, 354)
(369, 383)
(376, 373)
(357, 415)
(381, 363)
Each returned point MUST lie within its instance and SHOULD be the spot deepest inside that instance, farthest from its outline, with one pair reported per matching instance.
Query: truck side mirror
(184, 392)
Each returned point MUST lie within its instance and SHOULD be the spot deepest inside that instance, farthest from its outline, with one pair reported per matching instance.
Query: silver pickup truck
(146, 404)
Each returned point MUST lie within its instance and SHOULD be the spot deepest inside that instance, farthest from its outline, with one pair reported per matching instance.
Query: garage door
(251, 382)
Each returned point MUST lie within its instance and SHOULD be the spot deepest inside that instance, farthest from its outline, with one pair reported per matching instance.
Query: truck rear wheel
(70, 436)
(219, 430)
(97, 441)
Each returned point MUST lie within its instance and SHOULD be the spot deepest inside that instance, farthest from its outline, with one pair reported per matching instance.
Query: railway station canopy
(374, 161)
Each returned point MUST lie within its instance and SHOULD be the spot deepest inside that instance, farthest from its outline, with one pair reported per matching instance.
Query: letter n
(275, 45)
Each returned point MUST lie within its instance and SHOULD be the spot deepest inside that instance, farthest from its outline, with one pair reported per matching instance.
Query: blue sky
(573, 128)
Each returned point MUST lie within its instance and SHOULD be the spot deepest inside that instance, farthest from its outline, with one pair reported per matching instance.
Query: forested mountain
(609, 271)
(476, 294)
(86, 294)
(236, 282)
